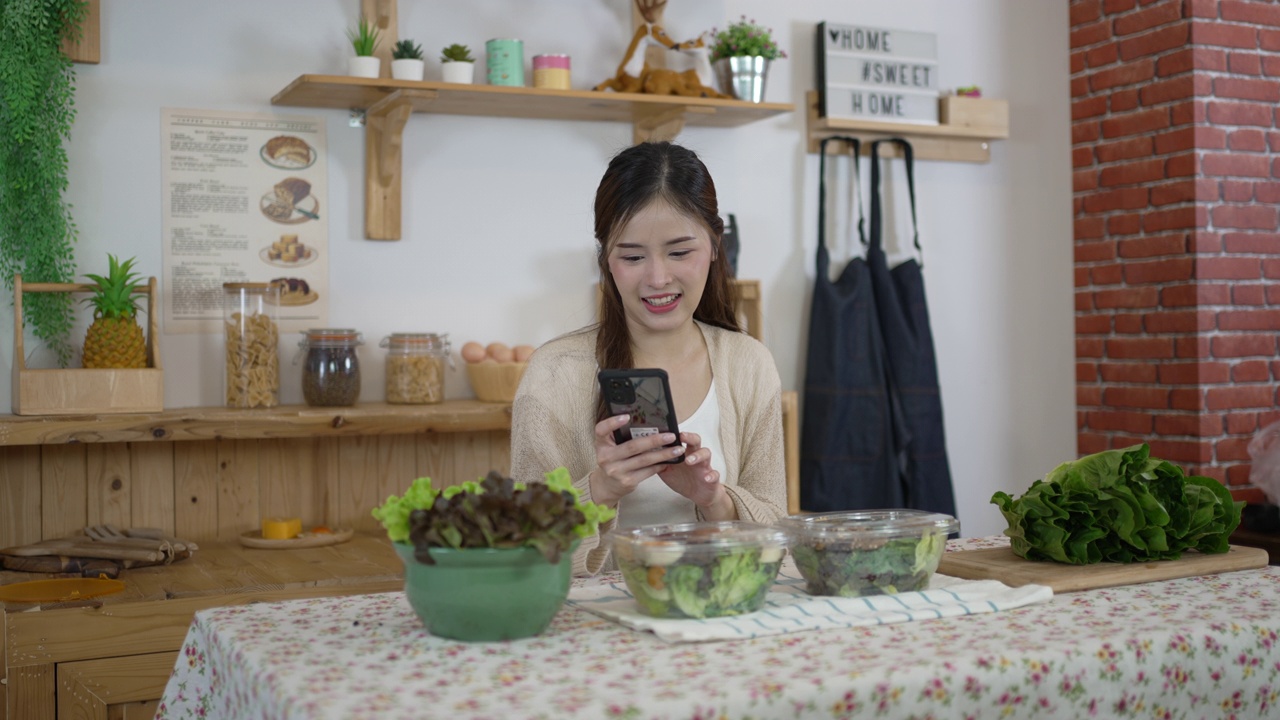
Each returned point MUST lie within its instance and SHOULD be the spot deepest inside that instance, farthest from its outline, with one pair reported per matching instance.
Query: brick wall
(1176, 154)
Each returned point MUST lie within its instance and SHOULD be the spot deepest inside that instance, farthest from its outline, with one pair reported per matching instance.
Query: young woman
(667, 303)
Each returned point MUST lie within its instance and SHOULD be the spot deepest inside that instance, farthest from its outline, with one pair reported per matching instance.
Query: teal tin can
(504, 58)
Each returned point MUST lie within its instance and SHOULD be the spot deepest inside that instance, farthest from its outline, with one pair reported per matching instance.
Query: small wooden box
(80, 391)
(972, 112)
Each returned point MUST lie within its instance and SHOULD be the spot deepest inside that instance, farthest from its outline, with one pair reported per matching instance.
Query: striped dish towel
(788, 608)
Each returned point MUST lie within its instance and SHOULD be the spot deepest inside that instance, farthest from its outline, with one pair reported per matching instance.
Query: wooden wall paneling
(98, 688)
(63, 490)
(239, 508)
(145, 710)
(284, 468)
(500, 451)
(108, 485)
(195, 490)
(434, 453)
(471, 457)
(19, 496)
(4, 662)
(152, 467)
(32, 692)
(326, 479)
(369, 469)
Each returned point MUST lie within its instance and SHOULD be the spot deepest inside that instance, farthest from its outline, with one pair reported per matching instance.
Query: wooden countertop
(153, 612)
(230, 568)
(289, 421)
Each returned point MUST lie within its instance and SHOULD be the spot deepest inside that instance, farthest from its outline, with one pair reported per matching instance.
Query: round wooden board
(254, 539)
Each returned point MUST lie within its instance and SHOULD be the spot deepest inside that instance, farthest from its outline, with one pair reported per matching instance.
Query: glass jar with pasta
(415, 367)
(252, 332)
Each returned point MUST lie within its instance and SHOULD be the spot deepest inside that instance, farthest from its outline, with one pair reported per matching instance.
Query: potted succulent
(364, 39)
(740, 55)
(406, 61)
(457, 65)
(489, 560)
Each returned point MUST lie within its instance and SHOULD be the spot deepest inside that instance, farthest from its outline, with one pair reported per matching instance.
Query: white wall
(497, 221)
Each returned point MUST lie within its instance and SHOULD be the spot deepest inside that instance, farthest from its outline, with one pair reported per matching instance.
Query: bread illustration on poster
(288, 252)
(294, 291)
(287, 152)
(290, 202)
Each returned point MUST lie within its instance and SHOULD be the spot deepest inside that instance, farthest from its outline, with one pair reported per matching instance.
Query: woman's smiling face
(659, 262)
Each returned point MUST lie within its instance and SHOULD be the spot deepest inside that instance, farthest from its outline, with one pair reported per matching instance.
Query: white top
(652, 502)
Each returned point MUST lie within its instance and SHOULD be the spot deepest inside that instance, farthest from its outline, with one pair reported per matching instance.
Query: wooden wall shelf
(961, 139)
(389, 103)
(291, 421)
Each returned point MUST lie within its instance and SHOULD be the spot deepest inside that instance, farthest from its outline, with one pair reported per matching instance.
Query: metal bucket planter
(742, 77)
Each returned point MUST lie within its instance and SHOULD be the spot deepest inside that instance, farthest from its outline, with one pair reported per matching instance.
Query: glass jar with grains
(252, 342)
(331, 370)
(415, 367)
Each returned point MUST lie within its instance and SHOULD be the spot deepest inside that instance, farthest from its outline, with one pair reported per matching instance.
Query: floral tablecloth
(1202, 647)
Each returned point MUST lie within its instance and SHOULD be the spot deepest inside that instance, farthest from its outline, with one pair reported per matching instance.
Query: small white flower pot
(365, 66)
(458, 72)
(408, 69)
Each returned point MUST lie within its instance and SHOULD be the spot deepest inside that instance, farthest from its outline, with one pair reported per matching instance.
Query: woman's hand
(695, 479)
(622, 467)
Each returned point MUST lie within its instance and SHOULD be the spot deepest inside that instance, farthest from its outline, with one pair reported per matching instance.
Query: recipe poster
(245, 200)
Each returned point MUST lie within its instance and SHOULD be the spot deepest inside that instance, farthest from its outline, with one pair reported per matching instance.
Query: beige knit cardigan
(554, 417)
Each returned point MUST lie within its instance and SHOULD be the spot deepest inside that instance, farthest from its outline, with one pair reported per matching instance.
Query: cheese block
(279, 528)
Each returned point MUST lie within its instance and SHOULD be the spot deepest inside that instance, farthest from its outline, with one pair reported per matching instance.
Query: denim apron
(920, 445)
(847, 458)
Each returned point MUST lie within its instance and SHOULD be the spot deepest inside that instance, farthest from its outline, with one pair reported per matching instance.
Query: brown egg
(473, 352)
(500, 352)
(522, 352)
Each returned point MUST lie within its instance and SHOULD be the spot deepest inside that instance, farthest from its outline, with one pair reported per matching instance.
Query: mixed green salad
(1119, 506)
(856, 568)
(686, 578)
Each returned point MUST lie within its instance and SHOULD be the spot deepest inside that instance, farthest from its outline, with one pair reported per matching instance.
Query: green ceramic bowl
(486, 594)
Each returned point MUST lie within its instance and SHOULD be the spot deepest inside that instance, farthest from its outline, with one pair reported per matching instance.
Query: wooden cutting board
(1001, 564)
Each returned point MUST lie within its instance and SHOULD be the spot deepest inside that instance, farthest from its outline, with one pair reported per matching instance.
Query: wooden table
(111, 656)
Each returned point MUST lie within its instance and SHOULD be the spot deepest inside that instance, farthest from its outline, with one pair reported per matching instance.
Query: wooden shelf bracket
(664, 125)
(383, 153)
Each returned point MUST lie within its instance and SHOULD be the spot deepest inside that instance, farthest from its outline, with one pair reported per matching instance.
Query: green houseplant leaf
(37, 234)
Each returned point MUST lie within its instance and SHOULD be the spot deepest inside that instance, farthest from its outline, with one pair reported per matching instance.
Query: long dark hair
(636, 177)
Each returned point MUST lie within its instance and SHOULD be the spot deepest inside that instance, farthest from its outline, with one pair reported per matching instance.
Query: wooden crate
(77, 391)
(971, 112)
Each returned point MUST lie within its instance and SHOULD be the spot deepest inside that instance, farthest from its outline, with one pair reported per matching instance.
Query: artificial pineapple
(115, 339)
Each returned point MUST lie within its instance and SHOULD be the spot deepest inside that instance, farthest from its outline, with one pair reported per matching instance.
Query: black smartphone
(645, 395)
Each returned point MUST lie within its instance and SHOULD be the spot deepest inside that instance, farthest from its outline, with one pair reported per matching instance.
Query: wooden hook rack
(967, 128)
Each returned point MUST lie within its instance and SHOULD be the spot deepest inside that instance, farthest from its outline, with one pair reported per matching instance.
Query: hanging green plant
(37, 99)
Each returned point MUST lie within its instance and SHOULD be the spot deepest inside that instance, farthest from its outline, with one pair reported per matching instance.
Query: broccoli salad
(857, 568)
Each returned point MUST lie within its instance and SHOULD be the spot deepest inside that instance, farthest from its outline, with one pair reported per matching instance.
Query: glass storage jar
(252, 333)
(415, 367)
(331, 370)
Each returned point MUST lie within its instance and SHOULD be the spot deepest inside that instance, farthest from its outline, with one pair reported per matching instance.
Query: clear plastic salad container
(697, 570)
(867, 552)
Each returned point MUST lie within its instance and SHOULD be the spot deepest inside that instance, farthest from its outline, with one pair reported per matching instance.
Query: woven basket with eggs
(495, 370)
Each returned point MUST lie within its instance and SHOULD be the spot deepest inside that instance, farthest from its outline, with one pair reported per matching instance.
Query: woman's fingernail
(677, 452)
(667, 438)
(706, 478)
(621, 418)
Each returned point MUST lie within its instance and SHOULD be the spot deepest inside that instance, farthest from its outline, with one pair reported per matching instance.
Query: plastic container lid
(706, 538)
(867, 524)
(59, 590)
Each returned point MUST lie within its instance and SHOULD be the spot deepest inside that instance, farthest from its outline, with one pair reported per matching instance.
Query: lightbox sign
(877, 74)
